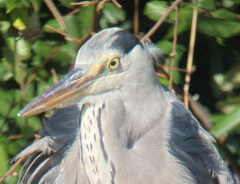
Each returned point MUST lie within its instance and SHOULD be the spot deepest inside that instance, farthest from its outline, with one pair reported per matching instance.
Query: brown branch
(136, 17)
(160, 21)
(173, 53)
(56, 14)
(190, 54)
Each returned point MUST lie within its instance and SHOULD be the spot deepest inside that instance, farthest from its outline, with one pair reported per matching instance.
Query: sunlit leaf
(4, 26)
(113, 14)
(23, 49)
(5, 71)
(19, 25)
(155, 9)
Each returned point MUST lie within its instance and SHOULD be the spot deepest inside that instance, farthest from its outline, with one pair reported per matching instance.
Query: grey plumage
(123, 128)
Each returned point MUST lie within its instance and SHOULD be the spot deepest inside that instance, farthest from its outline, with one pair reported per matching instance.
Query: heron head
(111, 60)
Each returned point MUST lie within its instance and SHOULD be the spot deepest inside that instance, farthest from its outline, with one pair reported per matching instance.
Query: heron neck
(96, 162)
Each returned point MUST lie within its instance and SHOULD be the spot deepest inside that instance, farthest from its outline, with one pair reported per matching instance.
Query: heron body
(116, 124)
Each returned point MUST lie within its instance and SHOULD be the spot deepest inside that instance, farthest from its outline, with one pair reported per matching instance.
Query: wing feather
(47, 158)
(194, 148)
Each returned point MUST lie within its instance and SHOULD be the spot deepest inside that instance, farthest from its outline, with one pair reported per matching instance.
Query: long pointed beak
(73, 86)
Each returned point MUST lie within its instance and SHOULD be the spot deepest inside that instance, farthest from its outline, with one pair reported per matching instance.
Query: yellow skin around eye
(113, 63)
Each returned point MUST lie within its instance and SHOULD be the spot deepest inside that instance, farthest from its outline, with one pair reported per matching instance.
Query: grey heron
(116, 124)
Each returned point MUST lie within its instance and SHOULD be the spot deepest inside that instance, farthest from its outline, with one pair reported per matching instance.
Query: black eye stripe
(125, 41)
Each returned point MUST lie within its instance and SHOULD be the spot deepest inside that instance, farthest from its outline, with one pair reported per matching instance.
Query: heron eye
(113, 63)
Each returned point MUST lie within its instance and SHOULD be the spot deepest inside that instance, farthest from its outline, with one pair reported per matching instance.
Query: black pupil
(113, 63)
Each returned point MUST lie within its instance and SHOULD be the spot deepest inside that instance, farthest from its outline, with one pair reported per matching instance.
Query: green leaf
(227, 124)
(4, 26)
(43, 48)
(5, 70)
(166, 47)
(155, 9)
(10, 4)
(207, 4)
(53, 23)
(66, 3)
(5, 100)
(65, 54)
(84, 19)
(218, 28)
(225, 14)
(3, 160)
(20, 13)
(72, 26)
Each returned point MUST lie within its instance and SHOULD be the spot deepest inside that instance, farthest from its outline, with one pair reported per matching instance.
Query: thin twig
(101, 4)
(54, 74)
(160, 21)
(83, 39)
(173, 54)
(190, 54)
(72, 12)
(161, 75)
(13, 137)
(56, 14)
(174, 69)
(63, 34)
(136, 17)
(85, 3)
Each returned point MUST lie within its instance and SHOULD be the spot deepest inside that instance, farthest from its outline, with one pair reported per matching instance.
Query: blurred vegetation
(29, 51)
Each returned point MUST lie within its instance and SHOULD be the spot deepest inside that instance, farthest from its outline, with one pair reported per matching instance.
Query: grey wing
(56, 157)
(194, 148)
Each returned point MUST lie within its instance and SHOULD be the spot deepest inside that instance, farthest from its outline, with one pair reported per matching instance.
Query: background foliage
(30, 53)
